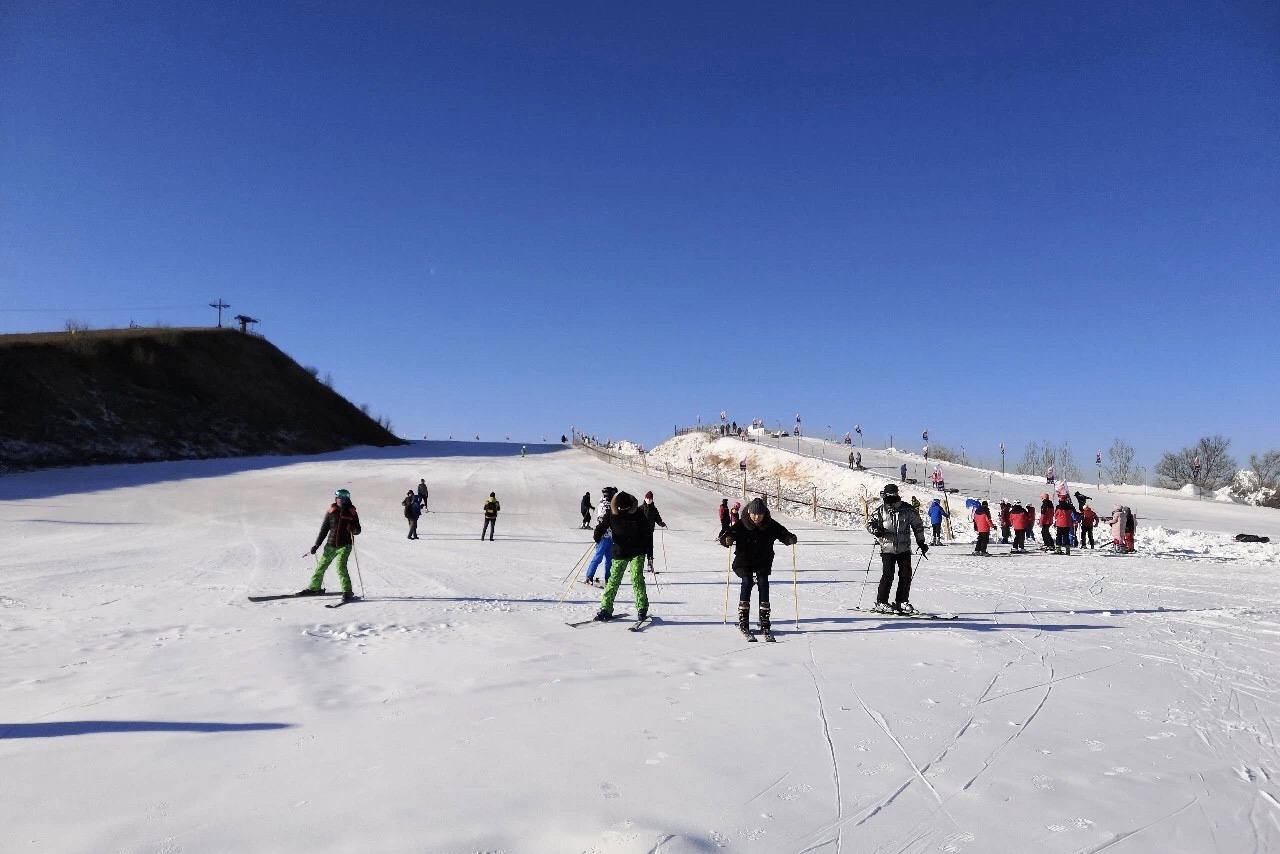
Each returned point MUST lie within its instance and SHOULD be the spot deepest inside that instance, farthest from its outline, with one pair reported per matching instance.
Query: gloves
(924, 549)
(792, 540)
(662, 524)
(877, 530)
(726, 540)
(313, 549)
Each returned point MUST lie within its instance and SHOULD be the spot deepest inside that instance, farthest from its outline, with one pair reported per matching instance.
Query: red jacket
(1005, 514)
(1020, 520)
(982, 523)
(1088, 518)
(1062, 518)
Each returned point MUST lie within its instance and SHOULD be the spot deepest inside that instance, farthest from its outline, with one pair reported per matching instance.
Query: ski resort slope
(1078, 704)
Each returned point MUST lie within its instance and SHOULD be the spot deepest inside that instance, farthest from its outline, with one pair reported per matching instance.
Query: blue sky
(1003, 221)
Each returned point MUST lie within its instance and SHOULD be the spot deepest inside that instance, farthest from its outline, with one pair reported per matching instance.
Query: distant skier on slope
(654, 518)
(587, 508)
(936, 515)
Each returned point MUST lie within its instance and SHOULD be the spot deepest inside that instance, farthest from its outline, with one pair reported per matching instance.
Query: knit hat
(648, 495)
(493, 495)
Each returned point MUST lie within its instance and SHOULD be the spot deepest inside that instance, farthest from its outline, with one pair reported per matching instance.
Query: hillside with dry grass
(133, 395)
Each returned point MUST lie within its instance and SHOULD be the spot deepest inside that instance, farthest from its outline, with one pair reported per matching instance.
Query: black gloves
(662, 524)
(877, 530)
(924, 549)
(726, 540)
(313, 549)
(792, 540)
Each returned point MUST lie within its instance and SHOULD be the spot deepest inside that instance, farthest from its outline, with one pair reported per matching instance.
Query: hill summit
(134, 395)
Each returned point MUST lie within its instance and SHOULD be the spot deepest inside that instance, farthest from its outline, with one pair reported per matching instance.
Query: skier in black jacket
(338, 531)
(632, 541)
(587, 509)
(755, 534)
(654, 518)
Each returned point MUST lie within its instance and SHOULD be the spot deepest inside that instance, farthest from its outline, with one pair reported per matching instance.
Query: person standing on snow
(902, 473)
(632, 541)
(1130, 529)
(422, 493)
(1062, 521)
(982, 524)
(1046, 523)
(936, 515)
(1087, 520)
(654, 518)
(734, 512)
(604, 545)
(491, 508)
(412, 510)
(755, 534)
(1117, 526)
(1005, 510)
(852, 457)
(893, 523)
(1020, 520)
(723, 512)
(587, 508)
(338, 530)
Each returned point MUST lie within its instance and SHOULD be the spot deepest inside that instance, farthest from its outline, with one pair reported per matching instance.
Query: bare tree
(1267, 468)
(1033, 458)
(1217, 468)
(948, 455)
(1121, 467)
(1066, 463)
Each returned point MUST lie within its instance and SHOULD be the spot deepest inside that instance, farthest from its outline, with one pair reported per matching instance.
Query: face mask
(892, 499)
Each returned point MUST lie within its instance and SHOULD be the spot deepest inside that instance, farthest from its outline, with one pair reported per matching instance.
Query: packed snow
(1077, 704)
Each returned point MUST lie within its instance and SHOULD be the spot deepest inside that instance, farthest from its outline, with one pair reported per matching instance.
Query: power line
(86, 310)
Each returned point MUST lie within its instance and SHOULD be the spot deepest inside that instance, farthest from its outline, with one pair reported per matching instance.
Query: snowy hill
(1076, 704)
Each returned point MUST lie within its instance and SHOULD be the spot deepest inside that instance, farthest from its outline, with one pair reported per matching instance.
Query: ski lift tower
(245, 320)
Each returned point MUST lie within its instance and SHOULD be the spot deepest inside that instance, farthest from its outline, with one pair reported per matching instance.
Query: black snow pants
(902, 563)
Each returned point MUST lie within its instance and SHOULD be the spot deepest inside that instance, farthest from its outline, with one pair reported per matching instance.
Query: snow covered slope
(148, 707)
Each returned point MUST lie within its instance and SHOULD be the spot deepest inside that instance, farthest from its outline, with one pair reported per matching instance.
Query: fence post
(667, 466)
(815, 504)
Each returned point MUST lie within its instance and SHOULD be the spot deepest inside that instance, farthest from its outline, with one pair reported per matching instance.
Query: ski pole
(573, 573)
(663, 534)
(866, 576)
(728, 569)
(356, 558)
(795, 583)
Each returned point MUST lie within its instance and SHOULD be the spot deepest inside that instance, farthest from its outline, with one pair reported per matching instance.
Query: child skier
(754, 535)
(936, 515)
(982, 524)
(604, 545)
(1020, 521)
(1062, 521)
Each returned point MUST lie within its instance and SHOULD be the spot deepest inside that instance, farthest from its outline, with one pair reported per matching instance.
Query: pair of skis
(274, 597)
(914, 615)
(636, 625)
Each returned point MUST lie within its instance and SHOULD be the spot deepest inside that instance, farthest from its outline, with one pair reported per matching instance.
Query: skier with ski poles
(338, 530)
(754, 535)
(654, 518)
(893, 523)
(632, 541)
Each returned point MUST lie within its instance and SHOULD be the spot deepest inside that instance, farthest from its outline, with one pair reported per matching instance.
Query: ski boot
(348, 596)
(310, 591)
(882, 608)
(906, 609)
(744, 611)
(603, 616)
(765, 628)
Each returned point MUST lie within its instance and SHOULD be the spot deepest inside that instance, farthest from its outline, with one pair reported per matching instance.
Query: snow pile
(1200, 545)
(1246, 488)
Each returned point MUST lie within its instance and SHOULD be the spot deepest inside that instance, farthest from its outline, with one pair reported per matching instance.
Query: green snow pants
(616, 570)
(326, 558)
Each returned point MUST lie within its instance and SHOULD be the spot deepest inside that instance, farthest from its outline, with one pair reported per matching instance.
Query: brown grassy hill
(132, 395)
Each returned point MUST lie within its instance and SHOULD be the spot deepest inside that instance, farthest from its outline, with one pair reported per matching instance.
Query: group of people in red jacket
(1062, 525)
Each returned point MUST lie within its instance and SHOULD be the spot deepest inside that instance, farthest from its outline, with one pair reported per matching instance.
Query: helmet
(342, 493)
(609, 490)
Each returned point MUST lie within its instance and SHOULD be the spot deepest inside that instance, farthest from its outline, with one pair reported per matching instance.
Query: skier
(1081, 498)
(340, 526)
(412, 510)
(604, 545)
(1020, 521)
(852, 458)
(632, 540)
(893, 524)
(723, 512)
(1046, 522)
(522, 449)
(902, 473)
(422, 493)
(936, 515)
(1048, 476)
(1117, 527)
(491, 508)
(654, 518)
(587, 508)
(1005, 510)
(857, 460)
(982, 524)
(1062, 521)
(735, 512)
(1087, 520)
(1130, 529)
(754, 535)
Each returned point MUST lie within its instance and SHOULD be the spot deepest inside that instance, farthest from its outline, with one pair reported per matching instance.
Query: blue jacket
(936, 513)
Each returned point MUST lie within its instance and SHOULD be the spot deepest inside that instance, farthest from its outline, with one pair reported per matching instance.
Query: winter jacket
(1005, 512)
(651, 515)
(1118, 518)
(1019, 518)
(632, 534)
(1046, 513)
(339, 525)
(936, 513)
(422, 492)
(982, 522)
(1062, 518)
(724, 515)
(585, 507)
(894, 525)
(491, 508)
(412, 506)
(1130, 521)
(755, 543)
(1088, 518)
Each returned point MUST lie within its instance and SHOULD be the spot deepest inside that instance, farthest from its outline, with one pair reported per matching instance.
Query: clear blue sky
(1003, 221)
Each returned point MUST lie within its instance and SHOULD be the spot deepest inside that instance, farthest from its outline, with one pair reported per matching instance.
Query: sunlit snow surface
(1079, 704)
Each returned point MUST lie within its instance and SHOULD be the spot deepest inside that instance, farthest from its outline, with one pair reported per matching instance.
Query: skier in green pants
(632, 540)
(341, 525)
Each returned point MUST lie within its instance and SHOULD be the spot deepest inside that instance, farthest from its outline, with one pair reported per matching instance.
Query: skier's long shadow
(871, 623)
(55, 729)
